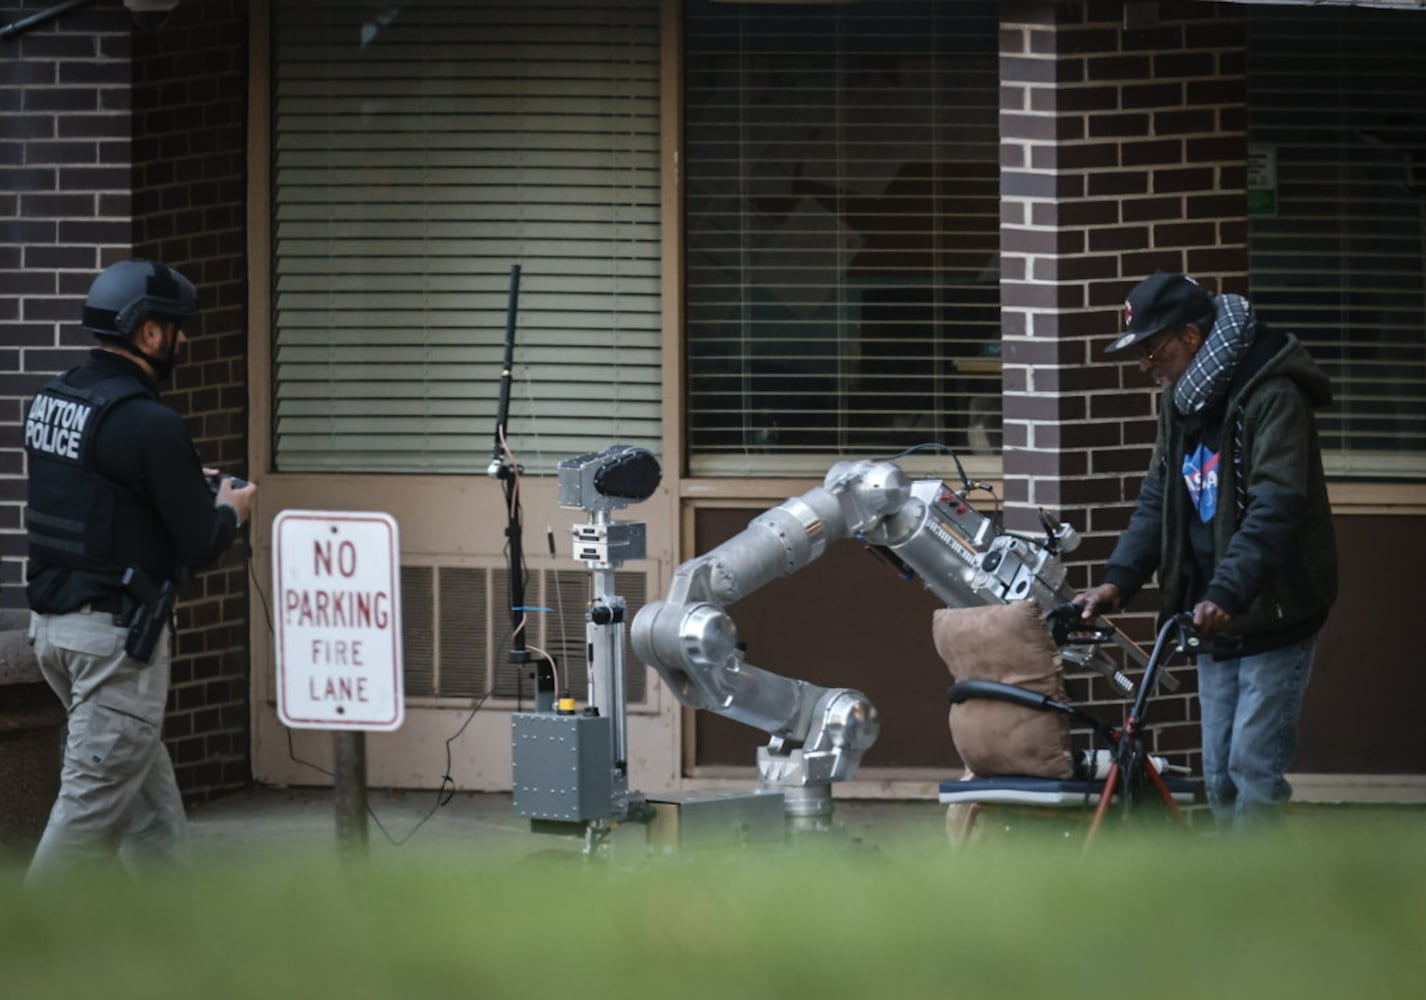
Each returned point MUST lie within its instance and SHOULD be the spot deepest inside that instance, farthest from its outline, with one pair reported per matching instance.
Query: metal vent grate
(560, 631)
(569, 593)
(456, 631)
(418, 637)
(464, 632)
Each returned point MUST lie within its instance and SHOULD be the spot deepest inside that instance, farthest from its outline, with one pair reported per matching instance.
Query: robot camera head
(608, 480)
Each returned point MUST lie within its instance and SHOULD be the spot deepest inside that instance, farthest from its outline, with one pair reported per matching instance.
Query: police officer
(120, 510)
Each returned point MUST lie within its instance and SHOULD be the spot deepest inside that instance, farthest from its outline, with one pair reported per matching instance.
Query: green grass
(1334, 908)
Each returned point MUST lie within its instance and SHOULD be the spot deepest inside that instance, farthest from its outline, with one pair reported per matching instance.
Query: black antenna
(503, 467)
(502, 413)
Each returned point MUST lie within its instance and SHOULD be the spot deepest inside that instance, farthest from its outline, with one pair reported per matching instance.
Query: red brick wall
(1122, 152)
(134, 146)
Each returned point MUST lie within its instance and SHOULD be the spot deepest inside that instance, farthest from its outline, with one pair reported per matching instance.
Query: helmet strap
(162, 366)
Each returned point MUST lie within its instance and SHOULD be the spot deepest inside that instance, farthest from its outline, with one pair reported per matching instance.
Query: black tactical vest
(70, 516)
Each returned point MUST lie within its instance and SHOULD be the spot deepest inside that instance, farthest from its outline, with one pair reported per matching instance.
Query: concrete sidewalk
(260, 819)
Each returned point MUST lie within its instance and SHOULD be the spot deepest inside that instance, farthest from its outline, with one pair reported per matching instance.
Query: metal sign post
(349, 791)
(338, 632)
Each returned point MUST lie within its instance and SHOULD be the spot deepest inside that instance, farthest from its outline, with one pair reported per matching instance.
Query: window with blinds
(420, 150)
(1337, 217)
(842, 230)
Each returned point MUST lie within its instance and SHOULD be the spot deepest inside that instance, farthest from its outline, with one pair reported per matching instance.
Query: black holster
(154, 612)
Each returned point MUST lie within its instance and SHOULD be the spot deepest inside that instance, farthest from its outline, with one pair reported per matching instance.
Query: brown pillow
(1009, 643)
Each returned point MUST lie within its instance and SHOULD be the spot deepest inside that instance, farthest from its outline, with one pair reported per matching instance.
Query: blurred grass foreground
(1335, 909)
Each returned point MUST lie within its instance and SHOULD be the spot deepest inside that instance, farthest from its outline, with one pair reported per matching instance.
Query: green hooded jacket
(1274, 550)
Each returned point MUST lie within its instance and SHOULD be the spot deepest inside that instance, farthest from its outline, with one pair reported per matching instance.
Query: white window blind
(419, 150)
(1337, 213)
(842, 230)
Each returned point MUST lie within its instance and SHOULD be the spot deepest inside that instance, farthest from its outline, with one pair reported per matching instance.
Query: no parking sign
(338, 628)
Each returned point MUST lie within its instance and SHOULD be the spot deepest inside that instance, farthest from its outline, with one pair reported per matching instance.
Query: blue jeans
(1251, 706)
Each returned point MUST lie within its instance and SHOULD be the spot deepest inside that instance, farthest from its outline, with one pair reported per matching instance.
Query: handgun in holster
(154, 612)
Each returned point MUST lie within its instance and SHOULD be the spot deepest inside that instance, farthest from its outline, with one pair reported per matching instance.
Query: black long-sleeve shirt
(165, 521)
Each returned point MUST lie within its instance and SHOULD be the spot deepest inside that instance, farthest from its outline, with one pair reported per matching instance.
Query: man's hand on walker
(1209, 618)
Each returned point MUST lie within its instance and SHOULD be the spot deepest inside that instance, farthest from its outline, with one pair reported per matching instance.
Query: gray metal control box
(563, 766)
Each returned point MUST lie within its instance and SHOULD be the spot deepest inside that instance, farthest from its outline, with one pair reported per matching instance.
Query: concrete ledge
(17, 660)
(1386, 789)
(31, 724)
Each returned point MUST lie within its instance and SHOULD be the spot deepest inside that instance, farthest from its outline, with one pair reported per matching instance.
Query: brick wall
(189, 207)
(1122, 152)
(134, 146)
(64, 200)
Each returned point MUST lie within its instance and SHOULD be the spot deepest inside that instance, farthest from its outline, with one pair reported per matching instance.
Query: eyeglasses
(1147, 356)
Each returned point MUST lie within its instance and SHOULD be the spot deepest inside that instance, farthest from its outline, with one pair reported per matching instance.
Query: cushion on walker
(1009, 643)
(1025, 791)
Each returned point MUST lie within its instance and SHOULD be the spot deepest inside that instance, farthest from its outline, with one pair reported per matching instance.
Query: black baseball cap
(1162, 301)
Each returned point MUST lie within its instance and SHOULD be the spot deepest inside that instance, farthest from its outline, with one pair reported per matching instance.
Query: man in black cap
(120, 511)
(1234, 519)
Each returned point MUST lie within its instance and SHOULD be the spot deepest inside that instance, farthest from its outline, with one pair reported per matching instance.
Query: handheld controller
(216, 482)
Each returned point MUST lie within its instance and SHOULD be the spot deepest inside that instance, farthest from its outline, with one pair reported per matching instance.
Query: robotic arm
(819, 734)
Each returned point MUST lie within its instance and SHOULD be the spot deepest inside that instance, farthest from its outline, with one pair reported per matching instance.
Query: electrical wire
(940, 448)
(554, 668)
(968, 485)
(997, 518)
(515, 513)
(559, 595)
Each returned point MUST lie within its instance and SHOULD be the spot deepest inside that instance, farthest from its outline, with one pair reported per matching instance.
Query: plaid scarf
(1206, 379)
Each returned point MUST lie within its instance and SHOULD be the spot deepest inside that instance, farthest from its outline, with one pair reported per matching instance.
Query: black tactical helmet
(127, 293)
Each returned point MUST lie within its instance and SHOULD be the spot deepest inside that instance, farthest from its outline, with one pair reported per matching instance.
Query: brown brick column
(1122, 152)
(190, 178)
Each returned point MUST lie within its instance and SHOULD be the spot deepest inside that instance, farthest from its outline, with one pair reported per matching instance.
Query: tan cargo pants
(117, 789)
